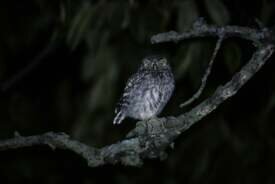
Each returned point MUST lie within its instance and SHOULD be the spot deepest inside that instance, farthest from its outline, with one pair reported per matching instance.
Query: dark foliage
(63, 65)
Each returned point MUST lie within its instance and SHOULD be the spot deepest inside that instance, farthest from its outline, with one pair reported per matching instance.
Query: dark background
(63, 66)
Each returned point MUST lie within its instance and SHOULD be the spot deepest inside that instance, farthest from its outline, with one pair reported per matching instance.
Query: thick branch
(232, 87)
(151, 138)
(201, 29)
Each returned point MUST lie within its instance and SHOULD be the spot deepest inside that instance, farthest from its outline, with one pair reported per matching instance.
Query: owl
(147, 91)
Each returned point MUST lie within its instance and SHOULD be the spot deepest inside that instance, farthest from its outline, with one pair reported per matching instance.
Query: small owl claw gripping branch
(147, 91)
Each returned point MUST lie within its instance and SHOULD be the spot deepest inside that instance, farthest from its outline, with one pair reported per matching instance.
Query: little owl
(147, 91)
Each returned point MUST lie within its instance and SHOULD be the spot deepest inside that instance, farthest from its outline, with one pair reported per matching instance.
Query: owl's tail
(119, 117)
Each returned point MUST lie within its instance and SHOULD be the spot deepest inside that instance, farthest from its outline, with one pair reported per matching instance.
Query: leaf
(95, 62)
(267, 11)
(191, 61)
(80, 25)
(217, 11)
(187, 15)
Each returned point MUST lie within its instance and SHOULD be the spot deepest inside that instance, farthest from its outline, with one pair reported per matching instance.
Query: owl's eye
(163, 61)
(145, 63)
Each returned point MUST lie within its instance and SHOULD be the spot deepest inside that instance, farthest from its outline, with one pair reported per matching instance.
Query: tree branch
(150, 139)
(201, 29)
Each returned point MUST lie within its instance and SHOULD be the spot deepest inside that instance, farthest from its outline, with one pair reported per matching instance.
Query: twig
(151, 138)
(207, 73)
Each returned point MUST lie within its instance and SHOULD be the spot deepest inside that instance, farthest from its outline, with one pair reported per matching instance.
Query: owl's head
(155, 63)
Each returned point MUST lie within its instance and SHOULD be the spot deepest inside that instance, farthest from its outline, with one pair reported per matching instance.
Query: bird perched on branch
(147, 91)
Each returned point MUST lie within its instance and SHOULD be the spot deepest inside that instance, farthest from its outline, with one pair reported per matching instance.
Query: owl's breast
(149, 95)
(146, 104)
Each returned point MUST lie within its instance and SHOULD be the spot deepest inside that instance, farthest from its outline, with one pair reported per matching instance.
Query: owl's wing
(131, 85)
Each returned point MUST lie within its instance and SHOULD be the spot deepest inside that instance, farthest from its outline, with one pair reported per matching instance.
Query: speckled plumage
(147, 91)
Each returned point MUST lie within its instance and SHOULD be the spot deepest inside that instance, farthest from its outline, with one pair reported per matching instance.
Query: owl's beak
(154, 66)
